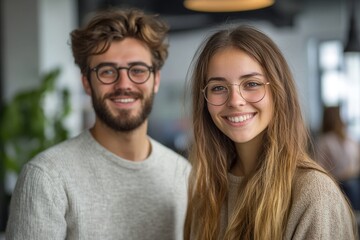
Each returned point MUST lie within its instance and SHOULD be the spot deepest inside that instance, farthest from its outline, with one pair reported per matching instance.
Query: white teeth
(124, 100)
(240, 118)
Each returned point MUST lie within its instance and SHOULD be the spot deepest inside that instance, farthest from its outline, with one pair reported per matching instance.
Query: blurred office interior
(34, 39)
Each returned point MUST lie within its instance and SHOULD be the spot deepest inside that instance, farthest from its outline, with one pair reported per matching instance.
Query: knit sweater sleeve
(36, 211)
(319, 210)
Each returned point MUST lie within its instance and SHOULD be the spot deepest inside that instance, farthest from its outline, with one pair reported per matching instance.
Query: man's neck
(133, 145)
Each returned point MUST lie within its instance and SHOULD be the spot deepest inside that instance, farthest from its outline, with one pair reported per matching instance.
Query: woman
(252, 177)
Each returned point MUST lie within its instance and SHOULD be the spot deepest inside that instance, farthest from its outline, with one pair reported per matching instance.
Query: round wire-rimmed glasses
(108, 73)
(217, 92)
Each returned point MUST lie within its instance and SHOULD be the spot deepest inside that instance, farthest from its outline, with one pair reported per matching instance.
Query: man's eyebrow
(138, 63)
(128, 64)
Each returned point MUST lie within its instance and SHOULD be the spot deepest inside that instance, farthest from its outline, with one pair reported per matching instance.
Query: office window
(340, 82)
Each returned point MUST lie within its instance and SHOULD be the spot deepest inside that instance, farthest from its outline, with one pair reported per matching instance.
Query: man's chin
(123, 123)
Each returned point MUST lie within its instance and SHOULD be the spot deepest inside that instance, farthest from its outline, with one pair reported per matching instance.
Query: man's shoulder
(162, 148)
(168, 154)
(55, 155)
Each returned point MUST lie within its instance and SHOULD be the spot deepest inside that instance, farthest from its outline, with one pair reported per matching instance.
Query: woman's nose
(235, 98)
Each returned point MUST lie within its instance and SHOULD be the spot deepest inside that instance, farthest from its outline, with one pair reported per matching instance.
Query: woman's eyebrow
(253, 74)
(216, 79)
(245, 76)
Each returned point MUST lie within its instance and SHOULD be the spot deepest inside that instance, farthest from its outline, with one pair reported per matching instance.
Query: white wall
(56, 20)
(21, 43)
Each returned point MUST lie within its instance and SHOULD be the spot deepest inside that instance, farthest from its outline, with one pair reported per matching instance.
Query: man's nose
(123, 79)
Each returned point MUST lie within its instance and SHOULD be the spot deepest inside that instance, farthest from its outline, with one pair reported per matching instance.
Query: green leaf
(24, 123)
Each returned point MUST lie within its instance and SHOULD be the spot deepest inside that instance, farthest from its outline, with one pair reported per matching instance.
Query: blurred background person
(339, 153)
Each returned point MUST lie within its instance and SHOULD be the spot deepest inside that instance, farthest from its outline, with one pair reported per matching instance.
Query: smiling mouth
(124, 100)
(123, 96)
(240, 118)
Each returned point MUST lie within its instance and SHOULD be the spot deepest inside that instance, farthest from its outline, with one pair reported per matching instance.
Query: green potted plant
(26, 128)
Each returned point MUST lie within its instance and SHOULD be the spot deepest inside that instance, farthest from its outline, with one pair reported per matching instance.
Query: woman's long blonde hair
(262, 210)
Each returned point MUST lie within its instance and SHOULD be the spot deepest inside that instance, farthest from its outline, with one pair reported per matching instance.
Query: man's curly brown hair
(113, 24)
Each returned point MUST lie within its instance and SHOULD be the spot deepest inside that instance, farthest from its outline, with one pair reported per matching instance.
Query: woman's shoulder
(314, 185)
(319, 208)
(310, 178)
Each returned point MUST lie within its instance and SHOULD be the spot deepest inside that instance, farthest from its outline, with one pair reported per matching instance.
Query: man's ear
(156, 81)
(86, 85)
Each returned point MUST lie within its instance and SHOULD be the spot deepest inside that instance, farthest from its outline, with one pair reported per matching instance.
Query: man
(112, 181)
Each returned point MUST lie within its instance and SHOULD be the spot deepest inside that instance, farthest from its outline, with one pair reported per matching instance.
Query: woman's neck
(247, 156)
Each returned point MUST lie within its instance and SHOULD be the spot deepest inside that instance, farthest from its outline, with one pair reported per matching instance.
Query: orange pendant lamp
(226, 5)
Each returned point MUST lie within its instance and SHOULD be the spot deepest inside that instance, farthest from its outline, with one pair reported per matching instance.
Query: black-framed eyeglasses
(108, 73)
(218, 92)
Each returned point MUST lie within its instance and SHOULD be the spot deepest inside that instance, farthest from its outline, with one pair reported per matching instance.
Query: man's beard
(123, 121)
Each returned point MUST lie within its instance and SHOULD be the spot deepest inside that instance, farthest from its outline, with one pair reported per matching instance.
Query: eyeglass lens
(217, 93)
(108, 74)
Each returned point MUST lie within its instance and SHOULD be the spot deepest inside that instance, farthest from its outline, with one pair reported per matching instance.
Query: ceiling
(281, 14)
